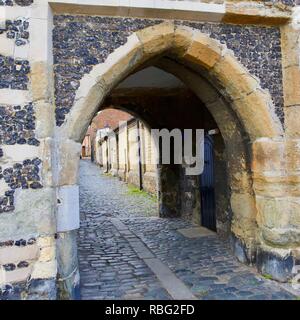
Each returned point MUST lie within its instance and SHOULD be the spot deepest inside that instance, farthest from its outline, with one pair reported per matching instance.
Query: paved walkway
(125, 252)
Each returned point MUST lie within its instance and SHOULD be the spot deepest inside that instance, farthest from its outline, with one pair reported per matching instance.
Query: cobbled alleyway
(125, 252)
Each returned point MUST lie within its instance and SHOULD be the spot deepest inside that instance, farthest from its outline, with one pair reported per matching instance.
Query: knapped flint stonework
(17, 125)
(10, 3)
(36, 289)
(20, 176)
(24, 3)
(13, 266)
(17, 30)
(18, 243)
(9, 292)
(285, 2)
(14, 73)
(81, 42)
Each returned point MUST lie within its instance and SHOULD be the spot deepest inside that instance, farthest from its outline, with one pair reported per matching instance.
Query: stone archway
(242, 109)
(252, 104)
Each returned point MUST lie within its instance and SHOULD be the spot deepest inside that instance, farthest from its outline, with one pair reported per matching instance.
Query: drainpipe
(139, 155)
(107, 160)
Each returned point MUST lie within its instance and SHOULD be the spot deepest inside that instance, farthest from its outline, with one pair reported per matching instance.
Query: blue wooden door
(207, 186)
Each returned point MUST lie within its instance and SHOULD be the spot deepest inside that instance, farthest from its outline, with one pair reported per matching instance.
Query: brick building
(106, 119)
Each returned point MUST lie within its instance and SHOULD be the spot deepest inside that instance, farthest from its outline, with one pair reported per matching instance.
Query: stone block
(45, 119)
(34, 214)
(47, 254)
(286, 237)
(150, 182)
(292, 154)
(22, 52)
(41, 42)
(18, 275)
(42, 289)
(277, 161)
(15, 254)
(2, 276)
(291, 82)
(275, 263)
(244, 252)
(234, 77)
(133, 177)
(40, 10)
(18, 153)
(7, 46)
(44, 270)
(203, 51)
(15, 97)
(44, 242)
(273, 185)
(182, 40)
(68, 162)
(244, 214)
(39, 76)
(279, 220)
(157, 39)
(292, 116)
(268, 156)
(266, 122)
(289, 45)
(247, 12)
(46, 150)
(239, 178)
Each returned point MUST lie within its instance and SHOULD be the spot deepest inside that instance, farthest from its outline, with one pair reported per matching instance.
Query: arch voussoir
(234, 78)
(257, 113)
(203, 50)
(183, 37)
(157, 39)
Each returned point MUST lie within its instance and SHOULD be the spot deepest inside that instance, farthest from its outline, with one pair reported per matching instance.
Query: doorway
(207, 186)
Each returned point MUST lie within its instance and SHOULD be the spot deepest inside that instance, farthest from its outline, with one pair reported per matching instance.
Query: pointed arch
(252, 105)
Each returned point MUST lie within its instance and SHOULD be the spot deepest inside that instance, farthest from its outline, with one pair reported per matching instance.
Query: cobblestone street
(125, 252)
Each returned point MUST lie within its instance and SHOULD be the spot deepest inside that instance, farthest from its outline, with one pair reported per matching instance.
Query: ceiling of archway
(151, 77)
